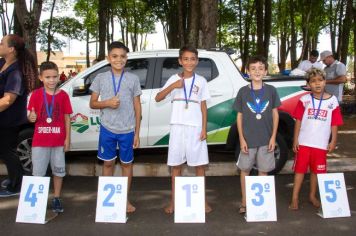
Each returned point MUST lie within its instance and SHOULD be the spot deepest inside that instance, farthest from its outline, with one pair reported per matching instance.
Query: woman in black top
(18, 73)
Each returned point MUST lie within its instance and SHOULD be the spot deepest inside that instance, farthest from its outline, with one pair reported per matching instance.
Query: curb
(214, 168)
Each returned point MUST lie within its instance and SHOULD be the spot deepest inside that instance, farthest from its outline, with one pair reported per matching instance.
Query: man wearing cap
(311, 62)
(335, 74)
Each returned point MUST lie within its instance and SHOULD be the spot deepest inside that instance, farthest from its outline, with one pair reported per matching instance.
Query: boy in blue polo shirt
(120, 107)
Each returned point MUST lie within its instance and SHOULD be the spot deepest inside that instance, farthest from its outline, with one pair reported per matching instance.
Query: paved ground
(150, 195)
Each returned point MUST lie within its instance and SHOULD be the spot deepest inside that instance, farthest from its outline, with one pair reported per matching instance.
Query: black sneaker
(7, 193)
(57, 205)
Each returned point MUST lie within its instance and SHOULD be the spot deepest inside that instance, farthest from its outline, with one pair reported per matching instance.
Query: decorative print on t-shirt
(259, 109)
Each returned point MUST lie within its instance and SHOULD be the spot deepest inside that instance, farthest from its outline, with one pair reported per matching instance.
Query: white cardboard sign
(260, 199)
(33, 200)
(112, 200)
(333, 195)
(189, 200)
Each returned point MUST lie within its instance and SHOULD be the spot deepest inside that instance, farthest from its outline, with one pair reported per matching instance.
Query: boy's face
(257, 71)
(188, 61)
(49, 78)
(117, 58)
(317, 84)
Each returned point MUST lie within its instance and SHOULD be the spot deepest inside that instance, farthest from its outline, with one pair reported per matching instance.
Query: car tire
(280, 155)
(24, 144)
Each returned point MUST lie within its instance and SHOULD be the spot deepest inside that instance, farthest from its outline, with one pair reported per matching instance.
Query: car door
(86, 121)
(220, 91)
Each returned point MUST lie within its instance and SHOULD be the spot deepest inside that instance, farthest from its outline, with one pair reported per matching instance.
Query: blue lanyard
(49, 107)
(190, 91)
(317, 111)
(116, 89)
(257, 100)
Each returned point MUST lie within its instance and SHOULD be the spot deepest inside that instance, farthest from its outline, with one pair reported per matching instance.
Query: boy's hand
(114, 102)
(32, 117)
(203, 135)
(178, 84)
(295, 146)
(271, 145)
(66, 147)
(136, 143)
(243, 146)
(331, 146)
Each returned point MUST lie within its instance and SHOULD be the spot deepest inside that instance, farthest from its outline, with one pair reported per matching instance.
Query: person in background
(335, 74)
(18, 71)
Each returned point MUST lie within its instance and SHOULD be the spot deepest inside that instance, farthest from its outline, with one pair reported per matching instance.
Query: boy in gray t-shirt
(257, 122)
(120, 115)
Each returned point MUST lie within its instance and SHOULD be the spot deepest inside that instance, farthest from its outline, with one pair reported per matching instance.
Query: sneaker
(57, 205)
(7, 193)
(5, 183)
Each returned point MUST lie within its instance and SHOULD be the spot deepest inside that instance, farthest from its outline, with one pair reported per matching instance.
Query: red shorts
(314, 158)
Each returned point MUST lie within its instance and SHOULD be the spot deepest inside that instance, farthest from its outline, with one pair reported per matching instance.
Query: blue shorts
(108, 142)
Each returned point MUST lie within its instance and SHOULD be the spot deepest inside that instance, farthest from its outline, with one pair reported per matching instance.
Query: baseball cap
(325, 54)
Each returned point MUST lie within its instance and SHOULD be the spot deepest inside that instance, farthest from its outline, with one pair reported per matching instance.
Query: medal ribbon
(317, 111)
(49, 107)
(190, 91)
(116, 89)
(259, 97)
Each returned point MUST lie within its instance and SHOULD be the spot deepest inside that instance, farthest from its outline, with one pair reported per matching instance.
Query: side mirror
(80, 89)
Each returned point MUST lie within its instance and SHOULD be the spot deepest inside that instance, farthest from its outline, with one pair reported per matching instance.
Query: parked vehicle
(154, 68)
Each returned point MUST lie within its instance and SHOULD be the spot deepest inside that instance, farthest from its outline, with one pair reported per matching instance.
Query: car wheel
(24, 145)
(280, 155)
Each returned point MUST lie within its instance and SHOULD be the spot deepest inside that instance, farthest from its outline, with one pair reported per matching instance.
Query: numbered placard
(189, 203)
(333, 195)
(112, 200)
(33, 200)
(260, 199)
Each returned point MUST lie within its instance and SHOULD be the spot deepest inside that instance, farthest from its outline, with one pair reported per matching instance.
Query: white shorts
(185, 146)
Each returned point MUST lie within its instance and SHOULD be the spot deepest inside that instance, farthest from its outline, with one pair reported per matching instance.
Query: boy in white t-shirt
(317, 116)
(188, 125)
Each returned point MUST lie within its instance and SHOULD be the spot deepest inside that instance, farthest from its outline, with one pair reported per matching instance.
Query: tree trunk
(49, 36)
(245, 52)
(87, 38)
(346, 28)
(193, 23)
(29, 21)
(259, 27)
(267, 26)
(102, 28)
(181, 23)
(293, 49)
(209, 21)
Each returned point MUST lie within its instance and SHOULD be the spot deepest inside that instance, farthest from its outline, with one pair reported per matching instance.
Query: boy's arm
(163, 94)
(137, 108)
(297, 126)
(243, 144)
(67, 127)
(275, 119)
(113, 102)
(332, 143)
(203, 108)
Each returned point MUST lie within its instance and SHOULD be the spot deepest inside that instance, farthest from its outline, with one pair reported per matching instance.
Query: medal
(190, 91)
(49, 107)
(116, 89)
(258, 116)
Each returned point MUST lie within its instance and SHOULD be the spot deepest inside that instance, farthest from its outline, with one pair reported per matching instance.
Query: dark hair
(313, 72)
(314, 53)
(187, 48)
(26, 61)
(255, 59)
(48, 65)
(117, 44)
